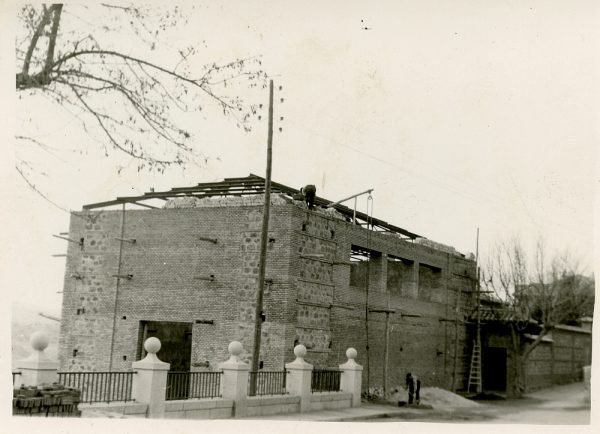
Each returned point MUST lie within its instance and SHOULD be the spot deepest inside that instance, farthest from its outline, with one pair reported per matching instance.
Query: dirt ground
(560, 405)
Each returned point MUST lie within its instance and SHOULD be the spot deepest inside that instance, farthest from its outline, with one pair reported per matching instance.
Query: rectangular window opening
(359, 268)
(400, 274)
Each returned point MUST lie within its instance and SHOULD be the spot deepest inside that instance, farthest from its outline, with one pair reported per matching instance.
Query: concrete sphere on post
(300, 351)
(152, 345)
(39, 340)
(235, 348)
(351, 353)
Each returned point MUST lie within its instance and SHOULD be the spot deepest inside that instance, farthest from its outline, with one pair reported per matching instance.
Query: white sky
(459, 115)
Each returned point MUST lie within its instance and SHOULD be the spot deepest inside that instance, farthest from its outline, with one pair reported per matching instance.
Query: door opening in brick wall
(175, 349)
(494, 369)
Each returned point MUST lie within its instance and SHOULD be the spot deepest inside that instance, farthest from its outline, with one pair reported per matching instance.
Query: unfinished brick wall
(179, 275)
(315, 249)
(171, 266)
(421, 340)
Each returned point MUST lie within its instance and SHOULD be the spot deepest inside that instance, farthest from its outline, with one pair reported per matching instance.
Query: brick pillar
(299, 377)
(351, 377)
(234, 384)
(416, 278)
(150, 381)
(37, 369)
(383, 271)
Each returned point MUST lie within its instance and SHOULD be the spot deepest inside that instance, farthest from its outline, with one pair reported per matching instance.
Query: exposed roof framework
(249, 185)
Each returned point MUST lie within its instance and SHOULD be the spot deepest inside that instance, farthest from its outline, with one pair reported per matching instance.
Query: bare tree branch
(35, 189)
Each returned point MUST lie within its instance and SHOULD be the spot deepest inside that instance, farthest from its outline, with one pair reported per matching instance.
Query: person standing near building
(410, 385)
(413, 383)
(417, 382)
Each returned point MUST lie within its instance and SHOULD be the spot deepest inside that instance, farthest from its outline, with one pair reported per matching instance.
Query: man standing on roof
(309, 192)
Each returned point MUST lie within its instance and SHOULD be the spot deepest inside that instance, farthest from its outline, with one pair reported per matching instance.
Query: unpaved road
(560, 405)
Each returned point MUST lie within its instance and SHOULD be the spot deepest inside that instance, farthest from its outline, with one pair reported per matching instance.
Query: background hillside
(25, 321)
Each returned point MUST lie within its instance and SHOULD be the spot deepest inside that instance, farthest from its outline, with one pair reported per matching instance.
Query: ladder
(475, 372)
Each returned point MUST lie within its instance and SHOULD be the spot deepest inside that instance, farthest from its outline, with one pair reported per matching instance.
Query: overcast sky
(459, 115)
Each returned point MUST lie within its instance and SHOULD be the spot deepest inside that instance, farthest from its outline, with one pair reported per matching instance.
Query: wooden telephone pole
(263, 250)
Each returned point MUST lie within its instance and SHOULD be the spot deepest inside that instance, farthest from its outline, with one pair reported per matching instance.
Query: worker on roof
(309, 192)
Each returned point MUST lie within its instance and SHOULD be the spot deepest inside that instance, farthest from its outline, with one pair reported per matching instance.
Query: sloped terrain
(25, 321)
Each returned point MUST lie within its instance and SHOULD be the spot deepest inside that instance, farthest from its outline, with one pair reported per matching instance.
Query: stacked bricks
(49, 400)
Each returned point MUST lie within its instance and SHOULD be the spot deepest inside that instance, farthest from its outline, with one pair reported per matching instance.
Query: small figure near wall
(414, 389)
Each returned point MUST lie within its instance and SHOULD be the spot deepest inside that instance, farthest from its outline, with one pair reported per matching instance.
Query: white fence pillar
(351, 377)
(299, 377)
(150, 382)
(37, 369)
(587, 378)
(234, 384)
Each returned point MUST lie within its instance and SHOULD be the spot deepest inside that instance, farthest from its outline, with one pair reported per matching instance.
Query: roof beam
(251, 184)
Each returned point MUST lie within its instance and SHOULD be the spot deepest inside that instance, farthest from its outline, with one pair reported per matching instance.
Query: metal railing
(99, 386)
(187, 385)
(15, 374)
(267, 383)
(325, 380)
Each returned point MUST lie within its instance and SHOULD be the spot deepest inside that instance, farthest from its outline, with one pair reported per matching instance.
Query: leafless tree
(123, 100)
(541, 289)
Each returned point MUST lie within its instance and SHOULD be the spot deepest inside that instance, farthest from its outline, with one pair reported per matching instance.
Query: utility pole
(479, 385)
(386, 353)
(263, 249)
(478, 332)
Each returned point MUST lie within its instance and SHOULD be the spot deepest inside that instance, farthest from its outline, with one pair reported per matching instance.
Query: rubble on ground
(434, 396)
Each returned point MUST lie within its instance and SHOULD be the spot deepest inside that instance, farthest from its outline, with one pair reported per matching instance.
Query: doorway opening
(494, 369)
(175, 349)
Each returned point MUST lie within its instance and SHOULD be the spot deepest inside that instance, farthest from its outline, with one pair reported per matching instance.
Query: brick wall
(558, 360)
(166, 261)
(423, 339)
(539, 367)
(309, 299)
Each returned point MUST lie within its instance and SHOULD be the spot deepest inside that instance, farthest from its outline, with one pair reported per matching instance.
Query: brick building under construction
(186, 271)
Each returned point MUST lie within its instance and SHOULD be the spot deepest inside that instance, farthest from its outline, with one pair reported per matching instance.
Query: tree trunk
(517, 386)
(57, 9)
(24, 79)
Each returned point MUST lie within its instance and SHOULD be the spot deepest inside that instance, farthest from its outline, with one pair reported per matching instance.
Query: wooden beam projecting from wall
(210, 278)
(80, 242)
(127, 240)
(210, 240)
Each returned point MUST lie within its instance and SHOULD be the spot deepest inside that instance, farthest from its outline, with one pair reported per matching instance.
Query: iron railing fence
(188, 385)
(15, 375)
(267, 383)
(99, 386)
(325, 380)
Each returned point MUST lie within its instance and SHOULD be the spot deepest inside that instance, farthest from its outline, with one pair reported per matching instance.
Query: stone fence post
(234, 384)
(150, 382)
(351, 377)
(299, 377)
(587, 378)
(37, 369)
